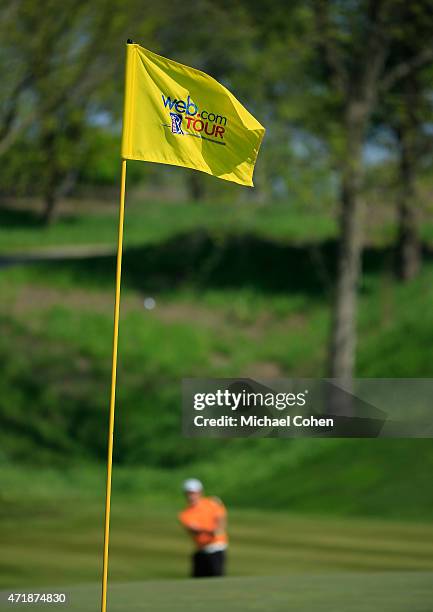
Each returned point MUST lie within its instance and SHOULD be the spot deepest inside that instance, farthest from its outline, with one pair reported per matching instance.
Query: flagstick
(113, 389)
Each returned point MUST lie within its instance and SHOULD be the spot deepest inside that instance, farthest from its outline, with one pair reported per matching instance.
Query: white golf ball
(149, 303)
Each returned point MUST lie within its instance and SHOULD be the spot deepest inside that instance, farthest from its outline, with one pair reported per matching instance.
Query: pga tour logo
(203, 124)
(176, 123)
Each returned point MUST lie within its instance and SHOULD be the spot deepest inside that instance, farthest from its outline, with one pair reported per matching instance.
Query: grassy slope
(58, 319)
(62, 343)
(233, 316)
(152, 222)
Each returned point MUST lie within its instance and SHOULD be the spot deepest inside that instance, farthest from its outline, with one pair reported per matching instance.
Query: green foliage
(61, 98)
(223, 309)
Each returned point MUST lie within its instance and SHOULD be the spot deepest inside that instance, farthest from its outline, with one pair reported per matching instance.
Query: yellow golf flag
(181, 116)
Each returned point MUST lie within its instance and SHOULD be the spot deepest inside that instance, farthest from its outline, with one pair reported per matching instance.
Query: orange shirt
(204, 516)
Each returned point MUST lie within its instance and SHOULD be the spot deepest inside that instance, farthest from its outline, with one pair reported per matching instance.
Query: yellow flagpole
(113, 389)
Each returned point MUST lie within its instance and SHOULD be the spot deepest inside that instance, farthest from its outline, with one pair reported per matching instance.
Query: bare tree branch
(8, 139)
(375, 56)
(405, 68)
(11, 109)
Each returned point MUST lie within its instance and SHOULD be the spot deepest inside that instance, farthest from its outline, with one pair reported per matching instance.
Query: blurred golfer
(205, 518)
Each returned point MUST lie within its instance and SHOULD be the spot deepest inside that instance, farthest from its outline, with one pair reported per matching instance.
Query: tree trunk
(50, 202)
(408, 248)
(343, 332)
(51, 194)
(408, 242)
(195, 186)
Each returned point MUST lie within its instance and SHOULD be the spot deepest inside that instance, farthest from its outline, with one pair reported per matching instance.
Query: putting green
(348, 592)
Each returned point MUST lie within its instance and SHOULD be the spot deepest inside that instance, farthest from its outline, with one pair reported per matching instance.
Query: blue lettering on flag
(168, 102)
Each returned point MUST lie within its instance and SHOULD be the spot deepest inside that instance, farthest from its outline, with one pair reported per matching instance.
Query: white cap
(192, 485)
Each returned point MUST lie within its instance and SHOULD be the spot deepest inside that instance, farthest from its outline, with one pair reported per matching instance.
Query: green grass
(58, 541)
(152, 222)
(58, 320)
(51, 534)
(396, 592)
(240, 291)
(360, 592)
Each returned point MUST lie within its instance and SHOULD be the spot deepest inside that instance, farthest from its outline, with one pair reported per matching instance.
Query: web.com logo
(202, 124)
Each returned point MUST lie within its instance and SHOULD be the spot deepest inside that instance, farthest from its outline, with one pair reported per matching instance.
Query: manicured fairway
(55, 544)
(348, 592)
